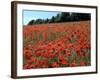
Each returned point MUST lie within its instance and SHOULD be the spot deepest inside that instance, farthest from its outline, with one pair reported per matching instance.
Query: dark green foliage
(63, 17)
(31, 22)
(52, 19)
(46, 21)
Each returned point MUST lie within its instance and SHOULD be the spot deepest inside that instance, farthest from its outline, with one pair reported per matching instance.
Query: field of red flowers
(57, 45)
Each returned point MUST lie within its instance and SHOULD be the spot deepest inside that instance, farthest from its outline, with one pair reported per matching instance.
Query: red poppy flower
(27, 54)
(51, 55)
(38, 54)
(68, 53)
(64, 62)
(73, 65)
(82, 63)
(61, 57)
(54, 64)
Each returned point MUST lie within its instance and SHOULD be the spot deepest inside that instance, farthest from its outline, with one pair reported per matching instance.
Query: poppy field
(54, 45)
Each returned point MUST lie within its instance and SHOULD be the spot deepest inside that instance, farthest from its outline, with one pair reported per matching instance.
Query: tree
(57, 18)
(85, 16)
(79, 16)
(46, 20)
(31, 22)
(63, 17)
(52, 19)
(38, 21)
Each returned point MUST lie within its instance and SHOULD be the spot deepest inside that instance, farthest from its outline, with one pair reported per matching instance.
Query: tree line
(63, 17)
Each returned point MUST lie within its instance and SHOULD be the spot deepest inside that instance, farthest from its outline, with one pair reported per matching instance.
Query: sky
(29, 15)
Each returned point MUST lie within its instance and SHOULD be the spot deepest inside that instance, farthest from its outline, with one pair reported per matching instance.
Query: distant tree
(80, 16)
(63, 17)
(46, 20)
(57, 18)
(85, 16)
(31, 22)
(38, 21)
(52, 19)
(75, 17)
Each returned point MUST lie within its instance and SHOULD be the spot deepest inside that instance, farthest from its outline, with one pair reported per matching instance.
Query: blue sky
(29, 15)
